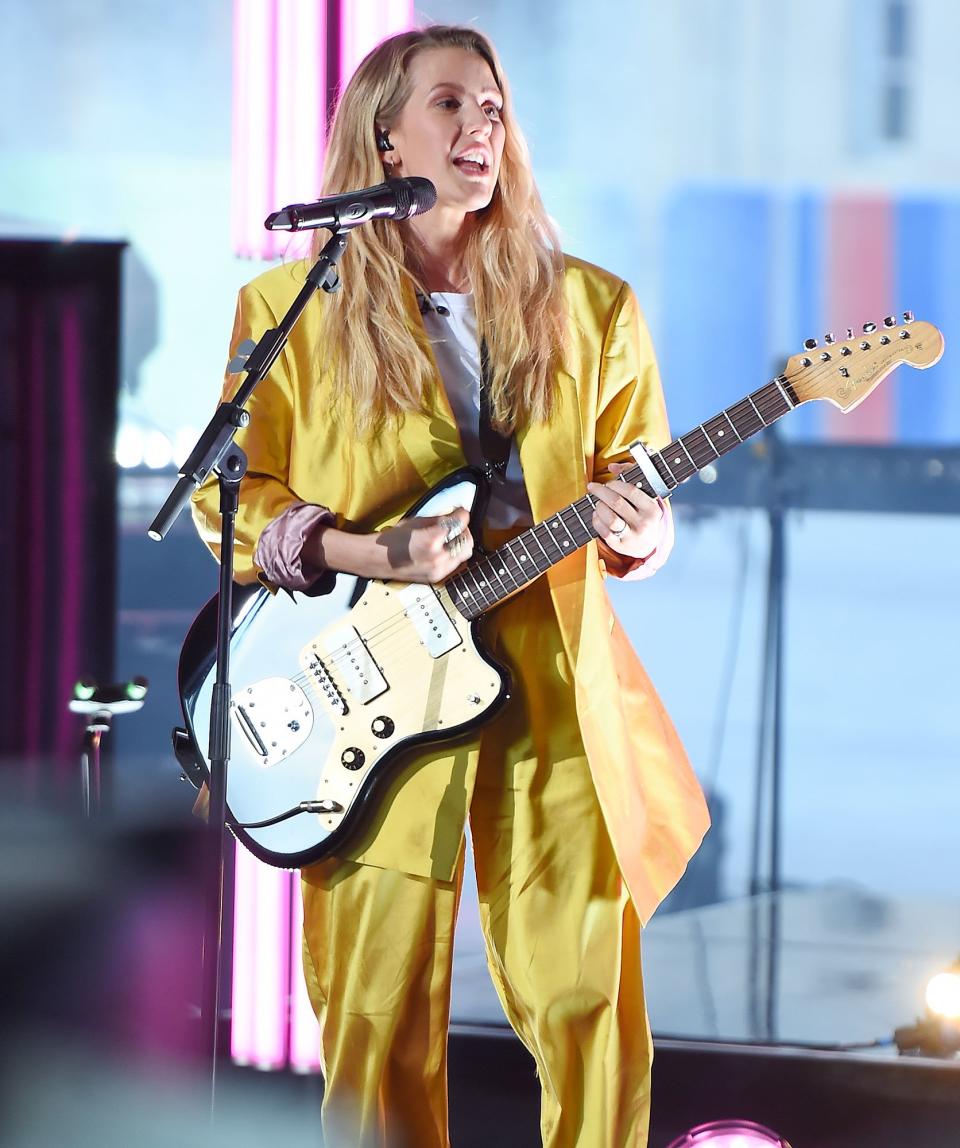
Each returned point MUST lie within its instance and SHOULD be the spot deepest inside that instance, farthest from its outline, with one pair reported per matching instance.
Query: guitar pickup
(431, 621)
(345, 655)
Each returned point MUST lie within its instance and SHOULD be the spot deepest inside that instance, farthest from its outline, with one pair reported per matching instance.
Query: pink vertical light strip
(279, 101)
(73, 482)
(253, 23)
(859, 290)
(304, 1030)
(364, 23)
(261, 963)
(279, 66)
(36, 555)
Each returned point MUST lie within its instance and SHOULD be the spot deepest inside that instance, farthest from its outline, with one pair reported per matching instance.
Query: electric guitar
(329, 692)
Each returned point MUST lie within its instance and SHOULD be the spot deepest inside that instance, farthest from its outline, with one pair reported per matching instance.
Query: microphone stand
(216, 451)
(780, 497)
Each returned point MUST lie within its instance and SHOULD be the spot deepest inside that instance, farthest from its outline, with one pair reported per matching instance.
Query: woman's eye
(493, 111)
(448, 102)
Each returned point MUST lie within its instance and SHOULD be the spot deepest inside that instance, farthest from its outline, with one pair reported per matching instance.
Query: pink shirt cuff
(279, 552)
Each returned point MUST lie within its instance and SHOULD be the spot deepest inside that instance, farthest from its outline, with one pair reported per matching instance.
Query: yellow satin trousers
(561, 934)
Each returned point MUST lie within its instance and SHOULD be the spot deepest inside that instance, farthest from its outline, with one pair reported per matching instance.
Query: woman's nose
(477, 122)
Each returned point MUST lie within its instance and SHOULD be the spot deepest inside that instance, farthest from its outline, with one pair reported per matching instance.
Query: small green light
(83, 691)
(136, 691)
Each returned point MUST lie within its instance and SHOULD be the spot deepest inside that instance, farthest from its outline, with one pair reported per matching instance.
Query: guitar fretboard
(488, 580)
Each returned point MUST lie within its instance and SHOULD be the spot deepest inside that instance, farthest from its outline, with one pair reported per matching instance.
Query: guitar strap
(494, 445)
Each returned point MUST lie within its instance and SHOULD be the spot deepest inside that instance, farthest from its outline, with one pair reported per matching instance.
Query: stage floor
(758, 1008)
(824, 967)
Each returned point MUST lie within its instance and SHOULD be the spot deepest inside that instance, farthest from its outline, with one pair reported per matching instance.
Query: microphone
(395, 199)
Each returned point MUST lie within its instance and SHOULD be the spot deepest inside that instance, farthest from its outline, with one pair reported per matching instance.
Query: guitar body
(329, 694)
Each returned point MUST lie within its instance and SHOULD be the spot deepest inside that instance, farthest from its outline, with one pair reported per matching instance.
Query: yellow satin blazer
(610, 396)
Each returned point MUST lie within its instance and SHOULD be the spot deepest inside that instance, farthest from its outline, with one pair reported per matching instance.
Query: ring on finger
(454, 529)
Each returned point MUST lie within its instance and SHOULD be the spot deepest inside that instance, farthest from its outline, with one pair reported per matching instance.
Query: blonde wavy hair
(512, 257)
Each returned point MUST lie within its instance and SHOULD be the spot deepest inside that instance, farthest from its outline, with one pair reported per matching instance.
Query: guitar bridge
(325, 685)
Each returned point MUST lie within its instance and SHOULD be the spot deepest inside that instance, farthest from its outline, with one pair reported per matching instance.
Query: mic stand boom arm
(216, 451)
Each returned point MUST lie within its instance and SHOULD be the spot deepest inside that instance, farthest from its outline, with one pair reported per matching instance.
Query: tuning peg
(849, 332)
(908, 316)
(810, 344)
(828, 337)
(869, 328)
(890, 321)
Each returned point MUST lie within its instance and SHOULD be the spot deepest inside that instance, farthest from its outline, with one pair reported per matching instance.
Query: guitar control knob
(809, 343)
(352, 758)
(869, 328)
(382, 726)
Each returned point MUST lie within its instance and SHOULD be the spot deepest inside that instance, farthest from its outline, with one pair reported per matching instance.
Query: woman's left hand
(625, 518)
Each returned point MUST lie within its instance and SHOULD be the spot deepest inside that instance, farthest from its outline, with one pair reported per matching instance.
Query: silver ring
(618, 533)
(454, 528)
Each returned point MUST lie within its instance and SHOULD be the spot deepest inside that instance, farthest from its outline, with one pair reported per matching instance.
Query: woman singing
(581, 805)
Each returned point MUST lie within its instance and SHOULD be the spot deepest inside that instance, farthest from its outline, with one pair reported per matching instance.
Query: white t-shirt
(450, 321)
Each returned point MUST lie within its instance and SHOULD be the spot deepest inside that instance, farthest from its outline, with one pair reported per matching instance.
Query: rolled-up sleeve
(279, 550)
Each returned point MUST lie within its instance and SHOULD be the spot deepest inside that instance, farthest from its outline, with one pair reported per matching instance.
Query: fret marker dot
(677, 459)
(719, 434)
(523, 557)
(565, 542)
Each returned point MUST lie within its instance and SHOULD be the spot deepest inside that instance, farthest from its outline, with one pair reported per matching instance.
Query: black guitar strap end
(495, 446)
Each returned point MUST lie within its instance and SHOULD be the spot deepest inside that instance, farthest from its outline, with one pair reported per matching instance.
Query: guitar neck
(488, 580)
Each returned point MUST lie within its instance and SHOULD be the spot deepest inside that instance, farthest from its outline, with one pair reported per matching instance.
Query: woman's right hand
(415, 550)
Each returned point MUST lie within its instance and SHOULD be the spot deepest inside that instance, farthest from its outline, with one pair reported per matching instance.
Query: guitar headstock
(846, 372)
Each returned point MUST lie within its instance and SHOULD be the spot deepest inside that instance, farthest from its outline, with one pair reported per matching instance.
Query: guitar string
(773, 406)
(503, 570)
(396, 625)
